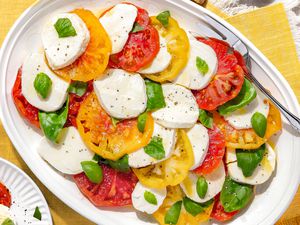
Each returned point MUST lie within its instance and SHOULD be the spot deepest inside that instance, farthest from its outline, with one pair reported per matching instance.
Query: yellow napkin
(268, 28)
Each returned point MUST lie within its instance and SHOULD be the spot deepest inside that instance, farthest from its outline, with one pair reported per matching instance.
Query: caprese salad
(140, 112)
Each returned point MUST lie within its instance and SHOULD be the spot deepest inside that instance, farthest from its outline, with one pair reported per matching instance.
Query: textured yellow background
(276, 51)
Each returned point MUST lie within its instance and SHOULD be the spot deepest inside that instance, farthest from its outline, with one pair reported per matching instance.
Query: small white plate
(26, 196)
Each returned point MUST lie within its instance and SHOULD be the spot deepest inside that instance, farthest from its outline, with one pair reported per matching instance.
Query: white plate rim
(292, 103)
(32, 183)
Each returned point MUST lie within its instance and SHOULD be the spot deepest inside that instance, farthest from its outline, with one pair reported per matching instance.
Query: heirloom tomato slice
(174, 194)
(5, 197)
(92, 63)
(247, 138)
(218, 212)
(114, 190)
(215, 153)
(141, 47)
(101, 136)
(178, 46)
(171, 171)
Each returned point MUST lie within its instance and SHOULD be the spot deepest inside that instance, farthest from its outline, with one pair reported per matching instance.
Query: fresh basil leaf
(78, 87)
(120, 165)
(8, 221)
(201, 187)
(155, 148)
(115, 121)
(142, 119)
(259, 124)
(201, 65)
(52, 123)
(93, 171)
(42, 84)
(136, 27)
(155, 96)
(246, 95)
(206, 118)
(37, 213)
(150, 197)
(173, 213)
(249, 160)
(192, 207)
(64, 28)
(235, 196)
(163, 18)
(96, 158)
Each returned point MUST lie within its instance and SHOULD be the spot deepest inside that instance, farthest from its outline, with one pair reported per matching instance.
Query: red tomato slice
(215, 153)
(74, 105)
(141, 47)
(5, 197)
(115, 189)
(218, 212)
(28, 111)
(229, 79)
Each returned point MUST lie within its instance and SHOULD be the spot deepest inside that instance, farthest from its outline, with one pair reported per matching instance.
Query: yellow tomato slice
(178, 46)
(175, 194)
(92, 63)
(247, 138)
(110, 142)
(171, 171)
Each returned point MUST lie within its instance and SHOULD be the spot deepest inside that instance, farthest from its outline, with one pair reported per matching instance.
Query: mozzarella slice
(181, 109)
(199, 139)
(118, 22)
(121, 94)
(260, 175)
(62, 52)
(241, 118)
(215, 181)
(67, 155)
(190, 77)
(4, 213)
(161, 61)
(33, 65)
(141, 159)
(139, 202)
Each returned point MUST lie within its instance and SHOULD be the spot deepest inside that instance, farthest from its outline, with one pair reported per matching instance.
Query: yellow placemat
(63, 215)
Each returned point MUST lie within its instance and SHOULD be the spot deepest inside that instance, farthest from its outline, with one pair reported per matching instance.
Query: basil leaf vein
(163, 18)
(64, 28)
(155, 148)
(42, 84)
(93, 171)
(52, 123)
(201, 65)
(150, 198)
(259, 124)
(248, 160)
(173, 213)
(246, 95)
(235, 196)
(155, 96)
(206, 118)
(78, 87)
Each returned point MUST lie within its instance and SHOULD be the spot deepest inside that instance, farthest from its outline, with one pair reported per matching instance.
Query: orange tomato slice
(109, 141)
(175, 194)
(92, 63)
(247, 138)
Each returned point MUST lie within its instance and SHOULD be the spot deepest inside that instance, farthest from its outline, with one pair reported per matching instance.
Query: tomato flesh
(228, 81)
(74, 105)
(28, 111)
(218, 212)
(115, 189)
(215, 153)
(5, 197)
(141, 47)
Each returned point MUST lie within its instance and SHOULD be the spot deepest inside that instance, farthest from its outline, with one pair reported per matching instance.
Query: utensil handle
(294, 120)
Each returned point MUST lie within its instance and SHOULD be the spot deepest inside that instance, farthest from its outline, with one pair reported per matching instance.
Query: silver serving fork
(213, 28)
